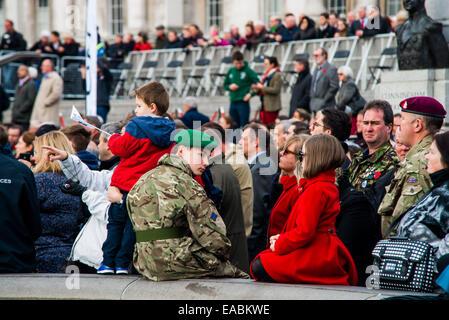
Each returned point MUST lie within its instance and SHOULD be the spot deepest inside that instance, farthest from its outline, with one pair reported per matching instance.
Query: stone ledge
(132, 287)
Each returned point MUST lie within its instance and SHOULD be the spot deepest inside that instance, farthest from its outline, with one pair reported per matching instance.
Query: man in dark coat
(116, 51)
(20, 223)
(192, 115)
(11, 39)
(161, 37)
(256, 143)
(226, 180)
(301, 91)
(325, 30)
(24, 97)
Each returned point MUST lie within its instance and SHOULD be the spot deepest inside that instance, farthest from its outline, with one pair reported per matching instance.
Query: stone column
(309, 8)
(136, 16)
(439, 11)
(238, 13)
(174, 14)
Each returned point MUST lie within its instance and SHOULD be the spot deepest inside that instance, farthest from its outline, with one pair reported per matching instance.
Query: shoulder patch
(412, 180)
(213, 216)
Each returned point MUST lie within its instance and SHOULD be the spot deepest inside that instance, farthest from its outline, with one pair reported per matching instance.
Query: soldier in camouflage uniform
(380, 157)
(178, 229)
(421, 118)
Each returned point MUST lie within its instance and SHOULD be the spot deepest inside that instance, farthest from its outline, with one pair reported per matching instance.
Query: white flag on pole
(91, 58)
(76, 116)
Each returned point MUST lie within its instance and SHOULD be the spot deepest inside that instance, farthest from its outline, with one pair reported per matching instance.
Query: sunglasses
(301, 156)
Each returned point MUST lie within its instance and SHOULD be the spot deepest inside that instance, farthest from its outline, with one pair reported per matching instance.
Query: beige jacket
(46, 105)
(238, 162)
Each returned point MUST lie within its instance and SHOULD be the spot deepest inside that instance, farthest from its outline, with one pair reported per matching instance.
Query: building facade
(31, 17)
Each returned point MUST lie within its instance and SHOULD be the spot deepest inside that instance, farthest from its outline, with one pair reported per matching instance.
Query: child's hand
(114, 195)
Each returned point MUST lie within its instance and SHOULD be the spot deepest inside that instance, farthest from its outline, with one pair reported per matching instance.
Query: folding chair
(201, 65)
(391, 53)
(150, 65)
(173, 67)
(217, 77)
(124, 68)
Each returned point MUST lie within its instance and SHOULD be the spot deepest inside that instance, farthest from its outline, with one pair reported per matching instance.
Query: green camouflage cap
(195, 138)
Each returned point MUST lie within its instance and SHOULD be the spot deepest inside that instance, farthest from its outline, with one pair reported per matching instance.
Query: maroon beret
(425, 106)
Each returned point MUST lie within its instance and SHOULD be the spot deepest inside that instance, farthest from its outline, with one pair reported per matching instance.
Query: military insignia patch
(213, 216)
(412, 180)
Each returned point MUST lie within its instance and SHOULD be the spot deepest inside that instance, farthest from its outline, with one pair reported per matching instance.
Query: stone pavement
(134, 287)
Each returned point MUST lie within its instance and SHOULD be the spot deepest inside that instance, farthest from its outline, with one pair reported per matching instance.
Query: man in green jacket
(238, 82)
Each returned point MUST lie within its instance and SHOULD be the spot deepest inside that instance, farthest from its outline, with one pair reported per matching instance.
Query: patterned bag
(403, 264)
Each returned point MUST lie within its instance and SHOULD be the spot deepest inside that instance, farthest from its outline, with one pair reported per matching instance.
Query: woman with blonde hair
(60, 212)
(290, 174)
(308, 249)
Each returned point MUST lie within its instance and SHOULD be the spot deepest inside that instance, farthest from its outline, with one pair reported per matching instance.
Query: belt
(160, 234)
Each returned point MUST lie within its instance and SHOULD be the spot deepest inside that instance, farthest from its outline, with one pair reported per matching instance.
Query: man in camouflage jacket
(380, 157)
(179, 232)
(421, 118)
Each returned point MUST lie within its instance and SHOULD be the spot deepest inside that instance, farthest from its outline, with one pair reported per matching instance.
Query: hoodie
(89, 159)
(145, 140)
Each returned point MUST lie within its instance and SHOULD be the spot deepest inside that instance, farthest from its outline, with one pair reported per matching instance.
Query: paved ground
(131, 287)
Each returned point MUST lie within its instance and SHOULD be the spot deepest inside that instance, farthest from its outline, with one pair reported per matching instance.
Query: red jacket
(283, 207)
(142, 46)
(308, 249)
(145, 140)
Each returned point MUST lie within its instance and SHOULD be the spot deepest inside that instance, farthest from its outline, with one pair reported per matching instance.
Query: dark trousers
(103, 111)
(239, 112)
(258, 271)
(119, 245)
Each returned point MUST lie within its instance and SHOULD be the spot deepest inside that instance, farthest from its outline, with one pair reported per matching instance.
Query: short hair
(237, 56)
(432, 124)
(94, 120)
(383, 105)
(111, 128)
(303, 113)
(79, 135)
(55, 139)
(273, 60)
(347, 71)
(154, 92)
(55, 33)
(230, 121)
(442, 143)
(179, 124)
(338, 122)
(324, 52)
(300, 127)
(262, 134)
(17, 127)
(323, 152)
(303, 61)
(324, 14)
(191, 102)
(217, 127)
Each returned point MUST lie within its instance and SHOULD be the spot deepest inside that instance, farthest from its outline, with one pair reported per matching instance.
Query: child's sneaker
(105, 270)
(121, 271)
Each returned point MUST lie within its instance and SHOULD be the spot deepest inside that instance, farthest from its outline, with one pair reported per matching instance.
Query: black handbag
(403, 264)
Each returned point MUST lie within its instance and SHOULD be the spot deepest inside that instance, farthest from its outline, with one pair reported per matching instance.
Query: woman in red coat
(284, 205)
(308, 249)
(142, 43)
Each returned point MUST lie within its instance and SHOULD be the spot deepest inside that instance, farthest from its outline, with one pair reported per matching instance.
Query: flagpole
(91, 58)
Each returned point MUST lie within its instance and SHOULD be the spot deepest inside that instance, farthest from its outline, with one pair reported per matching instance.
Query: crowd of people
(168, 198)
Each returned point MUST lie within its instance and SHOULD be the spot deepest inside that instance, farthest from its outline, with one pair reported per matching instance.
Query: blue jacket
(193, 115)
(89, 159)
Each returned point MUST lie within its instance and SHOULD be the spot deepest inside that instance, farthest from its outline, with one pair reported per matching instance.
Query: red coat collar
(326, 176)
(288, 182)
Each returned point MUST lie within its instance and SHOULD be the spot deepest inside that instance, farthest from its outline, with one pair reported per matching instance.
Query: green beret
(195, 138)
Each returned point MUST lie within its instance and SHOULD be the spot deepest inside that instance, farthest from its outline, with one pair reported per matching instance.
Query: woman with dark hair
(142, 43)
(306, 29)
(428, 219)
(308, 249)
(269, 90)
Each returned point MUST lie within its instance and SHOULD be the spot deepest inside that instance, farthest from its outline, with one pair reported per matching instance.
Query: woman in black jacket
(301, 91)
(428, 219)
(306, 30)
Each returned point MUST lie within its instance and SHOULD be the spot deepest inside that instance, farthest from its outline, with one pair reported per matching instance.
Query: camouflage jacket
(409, 184)
(365, 170)
(166, 197)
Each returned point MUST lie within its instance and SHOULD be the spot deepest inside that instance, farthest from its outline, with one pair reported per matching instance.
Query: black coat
(307, 34)
(20, 223)
(356, 226)
(301, 92)
(13, 41)
(23, 102)
(117, 52)
(327, 33)
(225, 179)
(193, 115)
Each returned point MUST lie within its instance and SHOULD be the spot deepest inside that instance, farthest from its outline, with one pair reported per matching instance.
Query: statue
(421, 43)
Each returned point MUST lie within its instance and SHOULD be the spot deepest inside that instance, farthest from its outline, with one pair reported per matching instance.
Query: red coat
(142, 46)
(283, 207)
(308, 249)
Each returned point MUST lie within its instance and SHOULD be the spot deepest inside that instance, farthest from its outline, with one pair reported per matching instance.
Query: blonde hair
(323, 152)
(55, 139)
